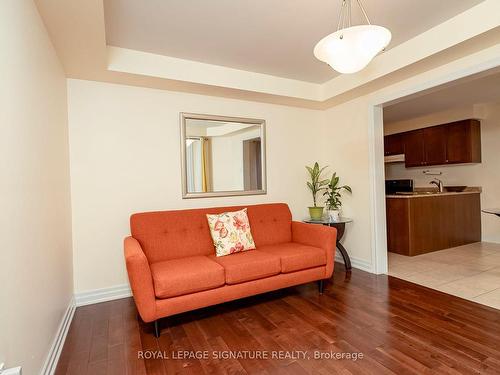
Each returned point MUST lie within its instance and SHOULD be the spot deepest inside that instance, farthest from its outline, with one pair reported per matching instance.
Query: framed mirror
(222, 156)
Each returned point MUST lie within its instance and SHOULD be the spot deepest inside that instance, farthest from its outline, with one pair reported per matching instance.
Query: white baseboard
(50, 364)
(103, 295)
(360, 264)
(123, 291)
(110, 294)
(80, 299)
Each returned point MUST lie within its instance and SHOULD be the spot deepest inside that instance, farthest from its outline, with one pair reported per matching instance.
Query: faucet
(438, 183)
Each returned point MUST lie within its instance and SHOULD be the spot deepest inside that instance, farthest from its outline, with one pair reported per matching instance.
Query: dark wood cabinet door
(435, 145)
(457, 146)
(414, 148)
(463, 142)
(394, 144)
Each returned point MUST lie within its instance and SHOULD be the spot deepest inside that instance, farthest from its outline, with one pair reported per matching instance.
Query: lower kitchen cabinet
(422, 224)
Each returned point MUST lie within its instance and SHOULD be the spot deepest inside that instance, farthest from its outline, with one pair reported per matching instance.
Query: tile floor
(471, 271)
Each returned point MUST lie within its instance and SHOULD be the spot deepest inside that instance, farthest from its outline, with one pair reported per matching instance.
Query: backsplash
(464, 174)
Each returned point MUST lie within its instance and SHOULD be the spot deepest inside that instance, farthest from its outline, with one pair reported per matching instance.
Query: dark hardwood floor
(400, 328)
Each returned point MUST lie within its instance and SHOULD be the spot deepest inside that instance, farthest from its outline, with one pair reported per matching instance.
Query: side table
(340, 226)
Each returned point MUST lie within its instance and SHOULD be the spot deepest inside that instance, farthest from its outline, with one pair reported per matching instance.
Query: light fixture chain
(341, 16)
(364, 12)
(345, 16)
(349, 12)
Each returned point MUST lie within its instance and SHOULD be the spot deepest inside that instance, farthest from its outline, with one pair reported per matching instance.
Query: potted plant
(316, 184)
(332, 192)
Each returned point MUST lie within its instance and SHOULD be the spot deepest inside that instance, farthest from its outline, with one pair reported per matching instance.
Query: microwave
(398, 186)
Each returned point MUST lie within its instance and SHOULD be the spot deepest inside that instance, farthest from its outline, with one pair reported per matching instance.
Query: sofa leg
(321, 286)
(157, 328)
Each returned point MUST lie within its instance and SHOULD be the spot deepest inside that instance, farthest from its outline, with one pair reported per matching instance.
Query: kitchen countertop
(417, 194)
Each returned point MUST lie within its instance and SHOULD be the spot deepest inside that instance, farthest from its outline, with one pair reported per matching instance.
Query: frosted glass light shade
(350, 50)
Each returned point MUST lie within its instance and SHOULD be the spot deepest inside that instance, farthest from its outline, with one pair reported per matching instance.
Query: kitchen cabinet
(463, 142)
(422, 224)
(435, 145)
(452, 143)
(414, 148)
(393, 144)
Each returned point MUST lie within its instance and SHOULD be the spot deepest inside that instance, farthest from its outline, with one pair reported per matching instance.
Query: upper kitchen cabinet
(414, 148)
(452, 143)
(435, 144)
(425, 147)
(463, 142)
(393, 144)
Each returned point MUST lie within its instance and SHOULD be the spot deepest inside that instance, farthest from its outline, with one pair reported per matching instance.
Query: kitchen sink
(454, 189)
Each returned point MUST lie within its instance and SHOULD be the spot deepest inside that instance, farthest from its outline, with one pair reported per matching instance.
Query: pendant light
(351, 48)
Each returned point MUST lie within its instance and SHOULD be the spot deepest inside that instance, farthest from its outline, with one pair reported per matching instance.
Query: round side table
(340, 226)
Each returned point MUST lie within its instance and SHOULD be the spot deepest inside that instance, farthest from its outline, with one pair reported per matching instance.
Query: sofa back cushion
(166, 235)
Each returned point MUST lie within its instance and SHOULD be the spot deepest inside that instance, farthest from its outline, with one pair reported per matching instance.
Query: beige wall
(484, 174)
(124, 144)
(125, 158)
(36, 275)
(346, 143)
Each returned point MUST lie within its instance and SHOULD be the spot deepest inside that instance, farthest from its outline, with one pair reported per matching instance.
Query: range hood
(394, 158)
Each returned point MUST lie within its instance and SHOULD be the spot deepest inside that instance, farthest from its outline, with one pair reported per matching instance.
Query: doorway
(376, 106)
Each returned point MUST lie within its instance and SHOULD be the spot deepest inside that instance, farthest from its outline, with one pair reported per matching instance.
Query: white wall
(36, 274)
(485, 174)
(125, 158)
(227, 159)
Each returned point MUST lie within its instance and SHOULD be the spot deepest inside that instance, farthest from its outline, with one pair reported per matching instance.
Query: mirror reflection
(222, 156)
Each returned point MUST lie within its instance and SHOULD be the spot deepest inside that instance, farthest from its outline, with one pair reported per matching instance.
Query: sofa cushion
(230, 232)
(295, 256)
(249, 265)
(181, 276)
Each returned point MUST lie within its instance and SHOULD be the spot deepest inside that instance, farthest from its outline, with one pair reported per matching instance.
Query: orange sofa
(172, 267)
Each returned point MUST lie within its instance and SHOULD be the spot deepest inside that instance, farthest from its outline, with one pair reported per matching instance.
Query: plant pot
(334, 215)
(316, 213)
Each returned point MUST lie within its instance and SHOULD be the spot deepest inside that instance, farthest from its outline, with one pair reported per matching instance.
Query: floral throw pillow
(230, 232)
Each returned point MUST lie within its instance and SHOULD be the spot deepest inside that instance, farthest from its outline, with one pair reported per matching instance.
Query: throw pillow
(230, 232)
